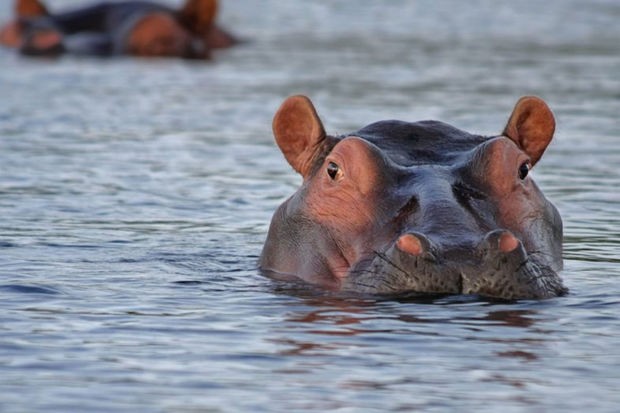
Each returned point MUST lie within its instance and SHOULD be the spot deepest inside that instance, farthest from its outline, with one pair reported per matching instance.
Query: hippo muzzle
(400, 208)
(498, 266)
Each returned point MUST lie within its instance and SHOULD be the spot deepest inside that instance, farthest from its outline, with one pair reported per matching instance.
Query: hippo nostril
(501, 240)
(414, 244)
(507, 242)
(410, 244)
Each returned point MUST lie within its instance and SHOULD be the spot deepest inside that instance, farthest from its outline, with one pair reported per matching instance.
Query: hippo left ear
(531, 126)
(30, 9)
(299, 132)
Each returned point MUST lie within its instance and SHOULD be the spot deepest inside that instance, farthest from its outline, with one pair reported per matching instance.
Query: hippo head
(422, 207)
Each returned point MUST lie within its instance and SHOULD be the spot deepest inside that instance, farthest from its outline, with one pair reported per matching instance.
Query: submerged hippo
(135, 27)
(421, 207)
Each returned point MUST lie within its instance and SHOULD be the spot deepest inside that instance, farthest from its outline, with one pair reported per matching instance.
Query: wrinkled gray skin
(422, 207)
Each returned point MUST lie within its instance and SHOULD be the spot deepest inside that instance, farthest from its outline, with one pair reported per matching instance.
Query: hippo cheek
(526, 213)
(349, 196)
(502, 168)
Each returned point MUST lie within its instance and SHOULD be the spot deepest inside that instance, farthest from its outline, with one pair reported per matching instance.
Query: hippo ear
(531, 126)
(298, 132)
(30, 9)
(198, 15)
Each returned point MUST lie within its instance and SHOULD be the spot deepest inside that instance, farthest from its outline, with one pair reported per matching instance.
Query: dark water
(135, 197)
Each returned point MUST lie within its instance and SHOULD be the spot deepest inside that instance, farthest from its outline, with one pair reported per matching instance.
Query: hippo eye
(524, 169)
(332, 170)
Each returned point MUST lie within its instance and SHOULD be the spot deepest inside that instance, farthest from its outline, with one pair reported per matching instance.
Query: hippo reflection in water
(421, 207)
(131, 27)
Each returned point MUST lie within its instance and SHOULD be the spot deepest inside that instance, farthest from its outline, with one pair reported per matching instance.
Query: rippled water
(135, 197)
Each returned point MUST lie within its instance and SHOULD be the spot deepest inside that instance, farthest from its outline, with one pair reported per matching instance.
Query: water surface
(135, 196)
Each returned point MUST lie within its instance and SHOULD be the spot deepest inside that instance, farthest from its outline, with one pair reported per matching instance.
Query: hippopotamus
(138, 28)
(416, 208)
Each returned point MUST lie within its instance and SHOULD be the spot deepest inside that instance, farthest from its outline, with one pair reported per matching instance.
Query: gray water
(135, 196)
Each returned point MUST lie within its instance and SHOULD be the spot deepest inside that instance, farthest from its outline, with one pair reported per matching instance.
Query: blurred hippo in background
(137, 28)
(423, 207)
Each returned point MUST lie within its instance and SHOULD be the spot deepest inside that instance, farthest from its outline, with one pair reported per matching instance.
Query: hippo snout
(498, 266)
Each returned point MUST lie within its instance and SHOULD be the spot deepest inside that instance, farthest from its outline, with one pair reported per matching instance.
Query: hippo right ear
(198, 15)
(298, 132)
(531, 126)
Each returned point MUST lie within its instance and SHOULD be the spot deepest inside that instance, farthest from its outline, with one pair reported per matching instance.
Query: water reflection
(518, 354)
(414, 345)
(510, 318)
(325, 325)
